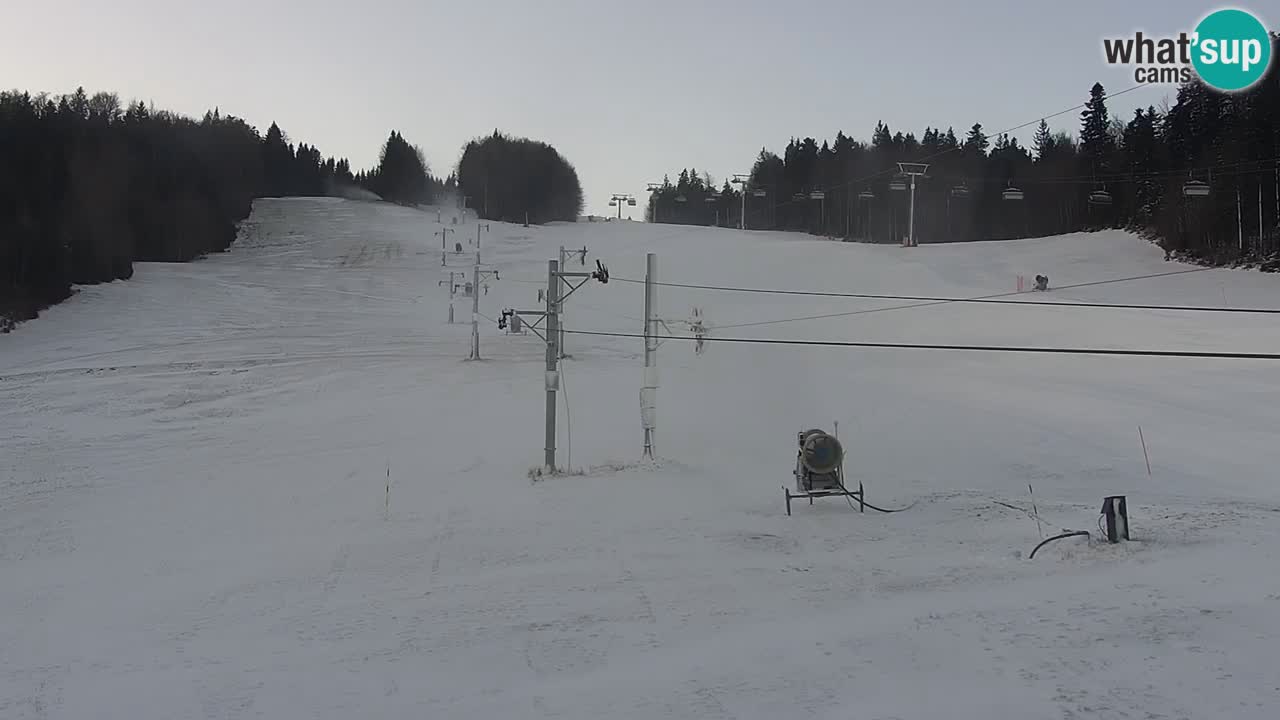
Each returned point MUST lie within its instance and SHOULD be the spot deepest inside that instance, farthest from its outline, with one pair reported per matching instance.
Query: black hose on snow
(1073, 533)
(895, 510)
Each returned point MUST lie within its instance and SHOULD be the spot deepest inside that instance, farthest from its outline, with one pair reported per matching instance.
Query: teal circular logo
(1231, 50)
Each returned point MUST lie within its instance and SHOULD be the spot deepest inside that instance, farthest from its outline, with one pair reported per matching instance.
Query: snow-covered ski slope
(195, 522)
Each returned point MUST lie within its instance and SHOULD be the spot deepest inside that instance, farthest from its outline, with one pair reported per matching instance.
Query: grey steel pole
(1239, 221)
(742, 221)
(648, 394)
(650, 262)
(911, 222)
(553, 354)
(475, 309)
(451, 294)
(560, 340)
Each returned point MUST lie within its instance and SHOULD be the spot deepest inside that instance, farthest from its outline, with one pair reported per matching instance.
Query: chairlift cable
(1122, 352)
(924, 300)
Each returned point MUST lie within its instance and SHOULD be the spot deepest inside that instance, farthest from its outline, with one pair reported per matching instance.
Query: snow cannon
(820, 456)
(819, 469)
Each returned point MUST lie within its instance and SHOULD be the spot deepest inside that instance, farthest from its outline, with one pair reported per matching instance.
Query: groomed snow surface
(195, 521)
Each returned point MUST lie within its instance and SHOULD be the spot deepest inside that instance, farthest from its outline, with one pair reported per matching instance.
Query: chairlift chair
(1012, 193)
(631, 202)
(897, 185)
(759, 193)
(1195, 188)
(866, 195)
(817, 195)
(1099, 197)
(613, 203)
(681, 198)
(960, 191)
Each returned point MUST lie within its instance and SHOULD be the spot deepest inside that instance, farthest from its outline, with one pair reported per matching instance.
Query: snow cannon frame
(819, 470)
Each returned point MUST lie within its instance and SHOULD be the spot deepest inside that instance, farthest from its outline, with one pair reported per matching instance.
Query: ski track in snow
(195, 518)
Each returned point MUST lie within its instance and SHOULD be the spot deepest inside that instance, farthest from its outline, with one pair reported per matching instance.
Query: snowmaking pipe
(894, 510)
(1046, 541)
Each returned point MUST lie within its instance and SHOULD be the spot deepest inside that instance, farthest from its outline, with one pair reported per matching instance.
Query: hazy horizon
(625, 98)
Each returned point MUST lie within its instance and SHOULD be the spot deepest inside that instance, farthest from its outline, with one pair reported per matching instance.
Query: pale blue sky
(626, 91)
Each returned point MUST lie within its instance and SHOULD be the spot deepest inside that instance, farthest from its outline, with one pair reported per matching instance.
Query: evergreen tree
(1096, 142)
(1043, 141)
(511, 178)
(882, 138)
(976, 142)
(1140, 147)
(401, 176)
(277, 162)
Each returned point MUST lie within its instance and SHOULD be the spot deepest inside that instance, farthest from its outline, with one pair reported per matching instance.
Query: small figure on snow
(1042, 282)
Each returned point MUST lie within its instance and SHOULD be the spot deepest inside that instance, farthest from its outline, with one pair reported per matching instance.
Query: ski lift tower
(557, 280)
(914, 170)
(651, 189)
(619, 199)
(740, 179)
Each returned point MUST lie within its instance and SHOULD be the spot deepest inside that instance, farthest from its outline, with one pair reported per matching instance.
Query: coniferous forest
(1141, 173)
(88, 186)
(518, 180)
